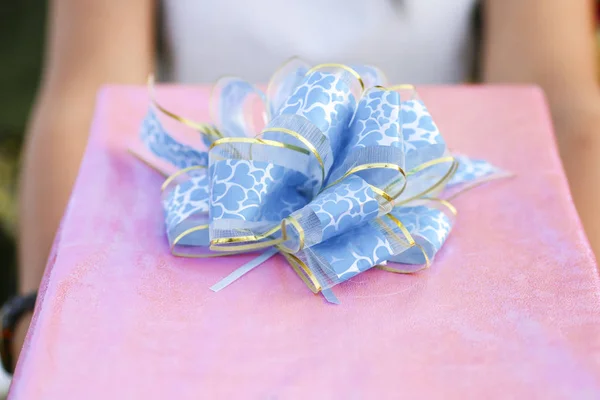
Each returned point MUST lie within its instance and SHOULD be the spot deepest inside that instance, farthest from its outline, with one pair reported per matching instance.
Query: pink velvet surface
(510, 308)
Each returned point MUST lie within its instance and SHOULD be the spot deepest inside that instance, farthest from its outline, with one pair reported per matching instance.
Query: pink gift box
(510, 308)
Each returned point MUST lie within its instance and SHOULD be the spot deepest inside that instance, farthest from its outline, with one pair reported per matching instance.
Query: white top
(412, 41)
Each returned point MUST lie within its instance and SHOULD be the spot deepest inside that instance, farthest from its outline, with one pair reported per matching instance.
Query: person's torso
(417, 41)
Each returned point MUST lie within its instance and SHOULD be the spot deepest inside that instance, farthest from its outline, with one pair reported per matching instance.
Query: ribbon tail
(244, 269)
(330, 296)
(472, 173)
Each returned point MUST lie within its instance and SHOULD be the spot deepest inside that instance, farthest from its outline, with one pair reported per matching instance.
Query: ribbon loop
(283, 83)
(235, 107)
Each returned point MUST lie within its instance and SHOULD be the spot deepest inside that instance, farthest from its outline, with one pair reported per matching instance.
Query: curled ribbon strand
(346, 175)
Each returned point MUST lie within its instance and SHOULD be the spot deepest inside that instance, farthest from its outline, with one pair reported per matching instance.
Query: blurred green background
(22, 27)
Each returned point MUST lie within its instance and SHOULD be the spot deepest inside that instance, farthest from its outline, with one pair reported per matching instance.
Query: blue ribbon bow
(345, 175)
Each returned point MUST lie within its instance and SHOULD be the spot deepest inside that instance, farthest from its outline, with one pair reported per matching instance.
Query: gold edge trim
(202, 128)
(404, 271)
(191, 255)
(303, 272)
(389, 231)
(305, 142)
(246, 247)
(402, 189)
(140, 158)
(412, 242)
(382, 193)
(340, 66)
(363, 167)
(294, 222)
(402, 228)
(430, 163)
(187, 232)
(439, 183)
(172, 177)
(220, 244)
(265, 142)
(403, 86)
(445, 203)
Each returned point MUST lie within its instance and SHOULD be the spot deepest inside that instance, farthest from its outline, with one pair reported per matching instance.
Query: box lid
(511, 305)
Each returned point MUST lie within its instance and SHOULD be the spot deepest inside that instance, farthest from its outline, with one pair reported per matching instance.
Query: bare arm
(90, 42)
(551, 43)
